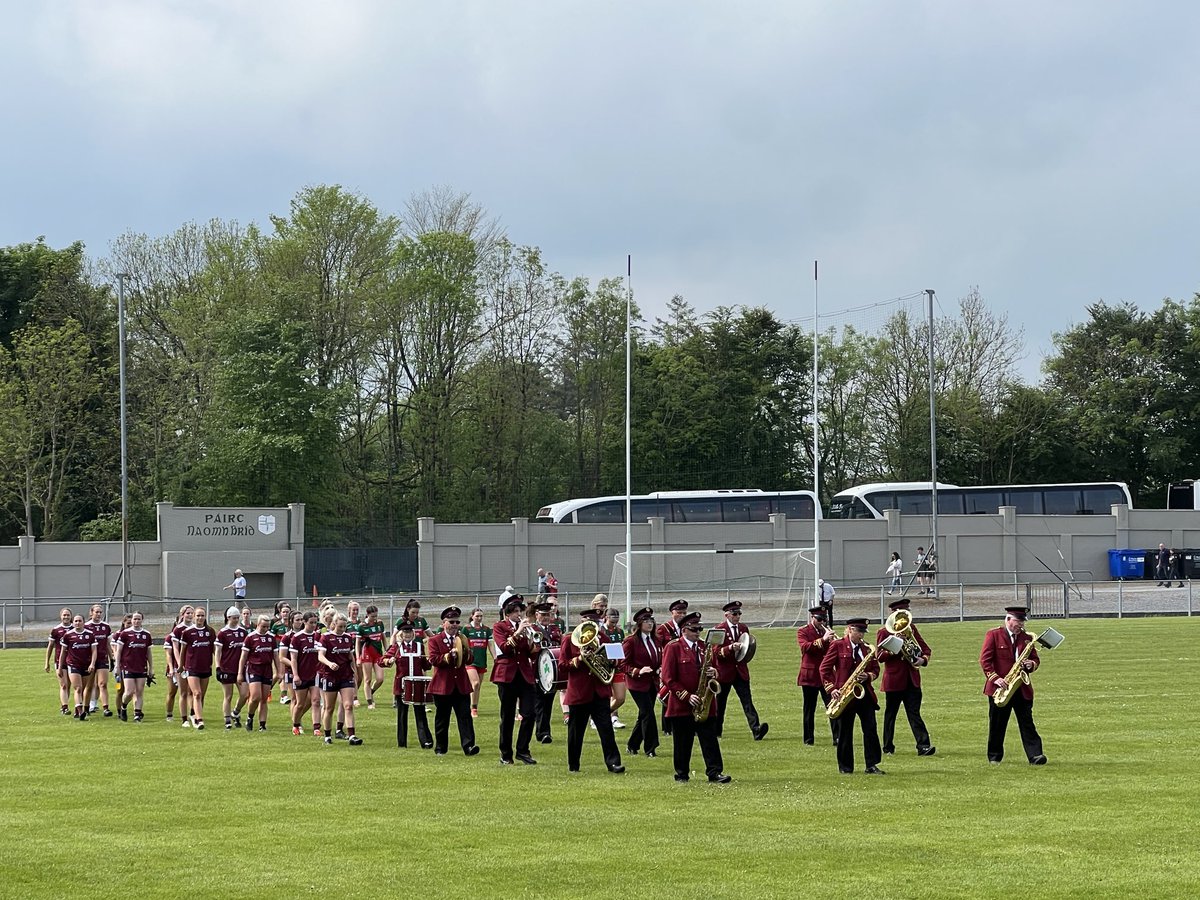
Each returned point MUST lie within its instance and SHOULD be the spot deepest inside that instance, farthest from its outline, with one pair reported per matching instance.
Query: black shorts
(125, 676)
(333, 685)
(226, 677)
(207, 673)
(259, 679)
(304, 685)
(287, 677)
(75, 671)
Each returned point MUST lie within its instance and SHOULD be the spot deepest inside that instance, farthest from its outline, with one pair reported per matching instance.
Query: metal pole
(628, 432)
(962, 603)
(125, 592)
(933, 472)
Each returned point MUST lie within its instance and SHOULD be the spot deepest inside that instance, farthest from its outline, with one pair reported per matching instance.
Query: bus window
(914, 503)
(641, 510)
(601, 513)
(794, 507)
(1180, 495)
(746, 509)
(697, 510)
(881, 500)
(859, 510)
(950, 503)
(839, 507)
(1028, 501)
(1062, 501)
(1100, 501)
(982, 503)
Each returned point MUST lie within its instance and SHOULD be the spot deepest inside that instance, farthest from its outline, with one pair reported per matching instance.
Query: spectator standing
(541, 587)
(1162, 562)
(825, 594)
(895, 570)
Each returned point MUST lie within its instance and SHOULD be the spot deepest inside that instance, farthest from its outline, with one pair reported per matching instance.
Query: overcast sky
(1045, 152)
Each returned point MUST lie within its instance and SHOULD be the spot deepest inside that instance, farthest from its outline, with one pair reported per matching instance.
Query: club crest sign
(266, 524)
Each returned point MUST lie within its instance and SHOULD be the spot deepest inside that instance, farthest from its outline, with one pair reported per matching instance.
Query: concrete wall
(972, 549)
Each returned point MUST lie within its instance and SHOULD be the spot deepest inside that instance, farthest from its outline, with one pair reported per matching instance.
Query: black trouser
(910, 697)
(461, 706)
(742, 686)
(518, 691)
(865, 712)
(811, 693)
(577, 723)
(544, 707)
(998, 725)
(419, 717)
(683, 730)
(666, 723)
(1160, 570)
(645, 731)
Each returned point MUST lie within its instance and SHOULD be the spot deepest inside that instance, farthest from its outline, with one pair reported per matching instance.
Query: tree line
(379, 367)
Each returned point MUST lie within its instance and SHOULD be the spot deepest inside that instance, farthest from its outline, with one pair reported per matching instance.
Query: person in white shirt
(238, 585)
(894, 571)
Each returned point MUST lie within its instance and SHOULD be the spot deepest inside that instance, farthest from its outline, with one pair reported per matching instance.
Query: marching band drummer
(512, 673)
(814, 639)
(451, 686)
(734, 675)
(1001, 647)
(681, 678)
(842, 658)
(902, 685)
(668, 631)
(643, 659)
(587, 698)
(410, 661)
(552, 636)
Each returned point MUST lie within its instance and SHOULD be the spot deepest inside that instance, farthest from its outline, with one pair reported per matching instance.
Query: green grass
(155, 811)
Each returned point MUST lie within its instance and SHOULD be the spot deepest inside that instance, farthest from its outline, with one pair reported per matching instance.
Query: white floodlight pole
(125, 592)
(628, 433)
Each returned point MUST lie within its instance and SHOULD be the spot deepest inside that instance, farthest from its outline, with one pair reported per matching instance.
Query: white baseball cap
(232, 611)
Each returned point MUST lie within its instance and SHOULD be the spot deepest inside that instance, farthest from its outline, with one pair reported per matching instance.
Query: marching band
(327, 659)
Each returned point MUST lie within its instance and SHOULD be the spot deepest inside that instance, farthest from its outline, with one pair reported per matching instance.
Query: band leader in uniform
(449, 654)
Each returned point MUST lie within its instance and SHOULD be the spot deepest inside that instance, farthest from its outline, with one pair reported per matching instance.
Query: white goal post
(775, 585)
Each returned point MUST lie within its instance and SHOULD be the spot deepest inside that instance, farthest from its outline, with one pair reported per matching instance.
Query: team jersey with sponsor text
(261, 661)
(56, 634)
(304, 656)
(478, 639)
(372, 635)
(77, 648)
(231, 641)
(196, 648)
(339, 648)
(135, 646)
(103, 632)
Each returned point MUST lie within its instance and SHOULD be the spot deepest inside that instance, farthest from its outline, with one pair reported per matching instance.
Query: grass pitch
(110, 809)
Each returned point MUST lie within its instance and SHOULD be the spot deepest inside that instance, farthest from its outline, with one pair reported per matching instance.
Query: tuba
(1017, 675)
(586, 637)
(708, 687)
(899, 623)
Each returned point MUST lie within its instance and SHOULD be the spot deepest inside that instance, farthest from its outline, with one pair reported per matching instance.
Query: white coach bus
(868, 501)
(732, 505)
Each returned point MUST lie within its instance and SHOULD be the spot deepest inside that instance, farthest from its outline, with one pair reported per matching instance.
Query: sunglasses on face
(454, 621)
(736, 612)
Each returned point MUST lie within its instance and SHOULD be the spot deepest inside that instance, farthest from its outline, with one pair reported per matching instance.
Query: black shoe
(107, 713)
(505, 762)
(875, 770)
(632, 751)
(926, 751)
(439, 752)
(651, 754)
(1038, 761)
(994, 762)
(472, 750)
(888, 751)
(762, 731)
(122, 714)
(426, 746)
(809, 743)
(339, 735)
(572, 771)
(617, 770)
(846, 771)
(355, 741)
(527, 759)
(262, 726)
(721, 779)
(545, 739)
(237, 720)
(681, 778)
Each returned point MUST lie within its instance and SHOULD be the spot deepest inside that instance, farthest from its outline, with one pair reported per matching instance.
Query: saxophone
(852, 689)
(1017, 675)
(708, 687)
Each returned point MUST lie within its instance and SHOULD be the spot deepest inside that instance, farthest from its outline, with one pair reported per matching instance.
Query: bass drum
(551, 676)
(744, 648)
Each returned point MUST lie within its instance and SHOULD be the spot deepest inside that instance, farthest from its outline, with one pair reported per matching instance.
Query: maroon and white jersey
(231, 641)
(304, 656)
(285, 643)
(175, 643)
(196, 646)
(77, 648)
(135, 649)
(339, 648)
(262, 647)
(103, 632)
(56, 634)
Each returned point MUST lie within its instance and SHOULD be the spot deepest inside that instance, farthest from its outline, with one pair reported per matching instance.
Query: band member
(302, 648)
(175, 671)
(841, 660)
(98, 683)
(477, 635)
(735, 675)
(668, 631)
(77, 658)
(682, 677)
(1001, 648)
(135, 663)
(902, 685)
(611, 632)
(197, 645)
(451, 686)
(512, 674)
(230, 640)
(335, 676)
(369, 652)
(410, 661)
(814, 639)
(261, 669)
(552, 636)
(54, 648)
(643, 660)
(587, 698)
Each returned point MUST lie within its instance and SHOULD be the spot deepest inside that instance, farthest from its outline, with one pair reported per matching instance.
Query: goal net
(775, 586)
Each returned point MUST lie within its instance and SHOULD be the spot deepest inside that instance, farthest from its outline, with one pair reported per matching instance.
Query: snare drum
(414, 688)
(551, 676)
